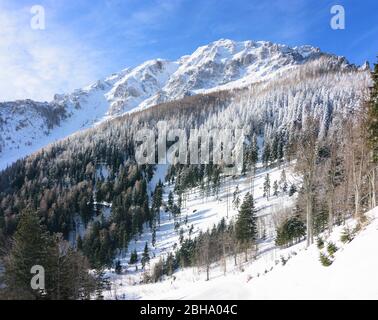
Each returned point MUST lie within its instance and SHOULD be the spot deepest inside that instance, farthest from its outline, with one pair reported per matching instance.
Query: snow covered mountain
(27, 126)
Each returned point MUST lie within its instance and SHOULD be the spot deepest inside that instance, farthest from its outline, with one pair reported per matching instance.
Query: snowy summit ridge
(27, 126)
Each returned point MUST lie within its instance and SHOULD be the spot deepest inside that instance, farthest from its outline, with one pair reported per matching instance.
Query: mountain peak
(365, 66)
(220, 65)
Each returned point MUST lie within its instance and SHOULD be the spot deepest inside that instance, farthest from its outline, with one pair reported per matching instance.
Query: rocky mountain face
(27, 126)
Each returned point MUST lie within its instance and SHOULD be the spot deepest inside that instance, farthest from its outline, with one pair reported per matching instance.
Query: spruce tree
(170, 200)
(267, 186)
(102, 283)
(292, 190)
(236, 198)
(145, 256)
(79, 243)
(266, 156)
(283, 180)
(65, 270)
(153, 234)
(254, 151)
(275, 188)
(246, 224)
(31, 247)
(157, 200)
(118, 267)
(133, 257)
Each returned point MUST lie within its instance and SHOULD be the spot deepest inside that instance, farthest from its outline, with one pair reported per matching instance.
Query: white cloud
(36, 64)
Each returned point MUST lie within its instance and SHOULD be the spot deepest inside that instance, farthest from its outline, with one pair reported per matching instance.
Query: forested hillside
(88, 193)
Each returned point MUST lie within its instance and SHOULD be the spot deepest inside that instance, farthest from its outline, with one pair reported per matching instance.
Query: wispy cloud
(38, 63)
(79, 45)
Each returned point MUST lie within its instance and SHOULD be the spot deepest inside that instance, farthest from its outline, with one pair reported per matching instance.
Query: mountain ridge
(26, 125)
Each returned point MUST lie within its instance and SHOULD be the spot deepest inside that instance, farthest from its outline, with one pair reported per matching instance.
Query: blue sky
(85, 40)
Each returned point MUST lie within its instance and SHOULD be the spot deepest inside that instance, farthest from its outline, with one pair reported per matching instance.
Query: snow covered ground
(202, 214)
(353, 274)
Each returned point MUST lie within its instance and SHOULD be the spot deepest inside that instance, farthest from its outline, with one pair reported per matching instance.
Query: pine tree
(275, 188)
(102, 283)
(331, 248)
(254, 151)
(154, 234)
(133, 257)
(283, 180)
(292, 190)
(31, 247)
(118, 267)
(274, 149)
(157, 200)
(325, 260)
(266, 156)
(267, 186)
(79, 243)
(250, 156)
(65, 270)
(291, 231)
(284, 187)
(170, 264)
(236, 198)
(246, 224)
(145, 256)
(170, 200)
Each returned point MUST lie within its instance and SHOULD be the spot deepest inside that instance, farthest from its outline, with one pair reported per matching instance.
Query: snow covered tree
(275, 188)
(266, 156)
(283, 181)
(236, 198)
(254, 151)
(250, 157)
(292, 190)
(267, 186)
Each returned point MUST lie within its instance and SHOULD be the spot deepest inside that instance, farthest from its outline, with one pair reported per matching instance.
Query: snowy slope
(26, 126)
(353, 275)
(202, 214)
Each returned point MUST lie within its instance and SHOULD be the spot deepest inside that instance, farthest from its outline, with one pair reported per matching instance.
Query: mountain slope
(26, 126)
(89, 184)
(351, 276)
